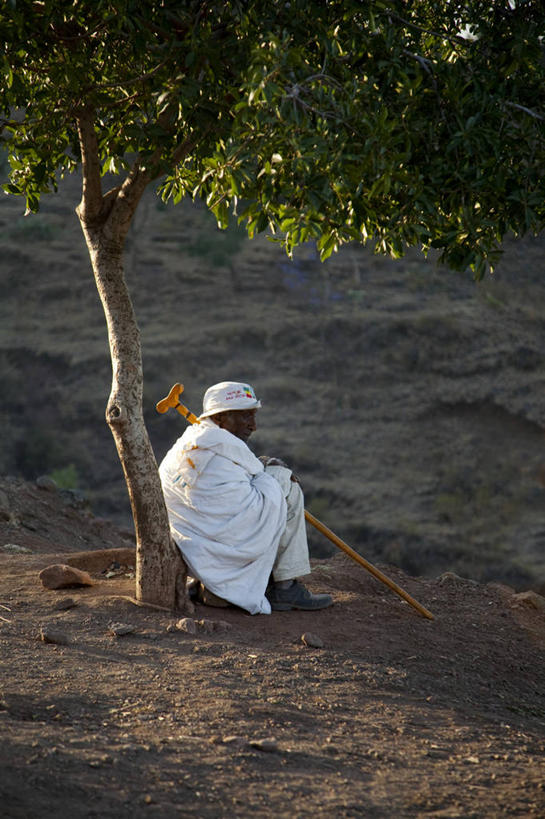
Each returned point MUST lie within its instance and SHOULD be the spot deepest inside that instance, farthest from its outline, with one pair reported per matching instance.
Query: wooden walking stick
(172, 401)
(366, 565)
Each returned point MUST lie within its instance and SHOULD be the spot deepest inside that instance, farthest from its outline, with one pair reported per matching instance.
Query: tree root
(187, 609)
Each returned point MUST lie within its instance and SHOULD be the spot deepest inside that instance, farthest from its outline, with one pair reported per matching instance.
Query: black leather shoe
(296, 596)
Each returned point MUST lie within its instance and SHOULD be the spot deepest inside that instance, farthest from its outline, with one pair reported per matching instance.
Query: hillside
(111, 710)
(409, 399)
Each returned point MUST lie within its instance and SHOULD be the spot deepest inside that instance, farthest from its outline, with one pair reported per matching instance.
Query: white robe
(226, 513)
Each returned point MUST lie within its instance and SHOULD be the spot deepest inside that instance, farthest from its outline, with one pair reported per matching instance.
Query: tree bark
(105, 219)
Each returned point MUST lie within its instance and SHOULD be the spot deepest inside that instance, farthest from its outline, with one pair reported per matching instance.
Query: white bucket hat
(228, 395)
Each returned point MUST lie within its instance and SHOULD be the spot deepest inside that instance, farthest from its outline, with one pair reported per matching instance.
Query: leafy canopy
(391, 122)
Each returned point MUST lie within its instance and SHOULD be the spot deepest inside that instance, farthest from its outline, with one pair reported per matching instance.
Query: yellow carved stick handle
(172, 401)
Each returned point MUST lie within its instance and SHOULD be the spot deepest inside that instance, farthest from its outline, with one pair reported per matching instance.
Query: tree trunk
(160, 570)
(105, 220)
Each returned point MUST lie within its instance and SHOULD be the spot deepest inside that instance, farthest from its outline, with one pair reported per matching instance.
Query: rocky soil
(108, 709)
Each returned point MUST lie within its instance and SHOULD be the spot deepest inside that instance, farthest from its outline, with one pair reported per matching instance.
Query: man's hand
(267, 460)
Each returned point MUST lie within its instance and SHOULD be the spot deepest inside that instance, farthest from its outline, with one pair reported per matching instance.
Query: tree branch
(441, 34)
(126, 200)
(426, 64)
(328, 80)
(526, 110)
(186, 147)
(132, 80)
(91, 200)
(178, 155)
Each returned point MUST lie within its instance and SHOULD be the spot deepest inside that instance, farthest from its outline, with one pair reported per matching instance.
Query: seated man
(238, 520)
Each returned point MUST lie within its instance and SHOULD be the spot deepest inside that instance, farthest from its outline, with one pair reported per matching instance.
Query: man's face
(241, 423)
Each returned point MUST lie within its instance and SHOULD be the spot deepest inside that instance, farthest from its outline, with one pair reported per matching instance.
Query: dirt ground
(393, 715)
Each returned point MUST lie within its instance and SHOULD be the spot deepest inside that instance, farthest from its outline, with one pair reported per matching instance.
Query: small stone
(187, 624)
(312, 640)
(53, 635)
(268, 745)
(65, 604)
(121, 629)
(59, 575)
(232, 739)
(47, 483)
(532, 599)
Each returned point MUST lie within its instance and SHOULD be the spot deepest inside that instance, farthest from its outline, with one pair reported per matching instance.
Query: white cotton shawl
(226, 514)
